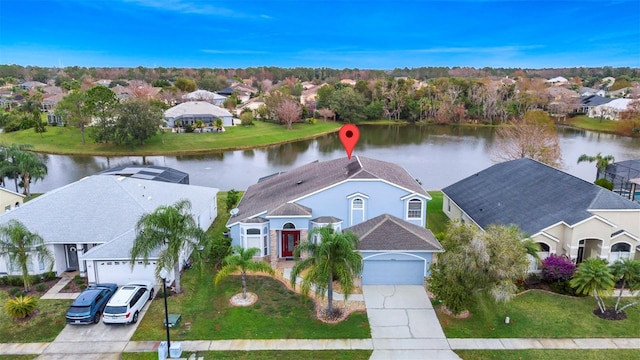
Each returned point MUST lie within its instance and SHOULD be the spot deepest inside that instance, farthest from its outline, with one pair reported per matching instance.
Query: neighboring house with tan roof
(378, 201)
(564, 214)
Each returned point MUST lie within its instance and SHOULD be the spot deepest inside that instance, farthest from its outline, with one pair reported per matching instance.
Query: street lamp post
(164, 274)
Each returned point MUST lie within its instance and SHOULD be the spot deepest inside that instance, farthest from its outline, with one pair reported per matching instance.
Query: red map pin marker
(349, 136)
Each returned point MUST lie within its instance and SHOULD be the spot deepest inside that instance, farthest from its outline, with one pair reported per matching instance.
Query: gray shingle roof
(387, 232)
(531, 195)
(290, 209)
(285, 187)
(101, 208)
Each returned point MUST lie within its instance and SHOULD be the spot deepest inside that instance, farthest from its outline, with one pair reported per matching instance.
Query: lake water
(436, 155)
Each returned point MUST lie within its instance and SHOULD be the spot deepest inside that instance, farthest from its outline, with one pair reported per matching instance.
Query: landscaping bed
(43, 326)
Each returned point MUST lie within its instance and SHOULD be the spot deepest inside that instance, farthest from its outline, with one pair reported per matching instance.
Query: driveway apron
(404, 324)
(95, 341)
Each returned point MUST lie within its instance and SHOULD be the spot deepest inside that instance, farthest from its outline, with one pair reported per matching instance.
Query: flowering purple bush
(557, 268)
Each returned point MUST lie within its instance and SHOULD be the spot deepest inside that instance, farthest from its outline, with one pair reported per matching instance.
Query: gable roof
(203, 95)
(593, 100)
(531, 195)
(387, 232)
(196, 108)
(280, 188)
(101, 208)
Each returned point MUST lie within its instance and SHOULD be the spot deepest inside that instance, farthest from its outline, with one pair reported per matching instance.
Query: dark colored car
(88, 306)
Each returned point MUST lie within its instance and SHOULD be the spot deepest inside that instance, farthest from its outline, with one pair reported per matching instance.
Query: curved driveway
(404, 324)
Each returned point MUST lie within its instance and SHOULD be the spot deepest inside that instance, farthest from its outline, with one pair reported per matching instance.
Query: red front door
(290, 240)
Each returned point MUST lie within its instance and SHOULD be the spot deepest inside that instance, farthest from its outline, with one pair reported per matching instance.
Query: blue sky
(360, 34)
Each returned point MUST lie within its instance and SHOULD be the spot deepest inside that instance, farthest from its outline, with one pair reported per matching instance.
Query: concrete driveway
(404, 324)
(95, 341)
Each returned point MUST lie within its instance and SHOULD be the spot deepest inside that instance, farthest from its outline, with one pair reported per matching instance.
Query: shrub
(188, 128)
(233, 196)
(21, 307)
(312, 121)
(15, 291)
(602, 182)
(41, 287)
(78, 280)
(48, 276)
(220, 248)
(14, 280)
(557, 268)
(246, 118)
(82, 286)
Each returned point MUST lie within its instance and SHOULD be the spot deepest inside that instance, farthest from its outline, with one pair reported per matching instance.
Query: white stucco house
(10, 200)
(564, 214)
(610, 110)
(191, 111)
(89, 225)
(204, 95)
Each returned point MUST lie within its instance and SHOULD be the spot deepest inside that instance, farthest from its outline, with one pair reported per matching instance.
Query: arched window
(414, 209)
(619, 251)
(288, 226)
(357, 210)
(543, 247)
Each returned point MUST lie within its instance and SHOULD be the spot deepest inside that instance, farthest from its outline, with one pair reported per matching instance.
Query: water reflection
(437, 155)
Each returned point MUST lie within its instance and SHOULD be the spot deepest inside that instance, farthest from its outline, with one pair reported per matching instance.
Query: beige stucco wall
(9, 199)
(595, 231)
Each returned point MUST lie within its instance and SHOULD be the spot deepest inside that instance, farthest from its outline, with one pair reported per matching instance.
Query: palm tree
(29, 166)
(594, 277)
(218, 124)
(173, 229)
(242, 259)
(601, 162)
(8, 160)
(199, 124)
(333, 257)
(17, 242)
(628, 271)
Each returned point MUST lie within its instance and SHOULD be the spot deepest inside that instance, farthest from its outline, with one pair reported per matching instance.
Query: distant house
(558, 80)
(252, 104)
(28, 85)
(610, 110)
(378, 201)
(585, 91)
(191, 111)
(204, 95)
(10, 200)
(565, 215)
(89, 225)
(591, 101)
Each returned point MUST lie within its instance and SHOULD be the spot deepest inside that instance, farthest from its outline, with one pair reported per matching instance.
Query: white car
(127, 303)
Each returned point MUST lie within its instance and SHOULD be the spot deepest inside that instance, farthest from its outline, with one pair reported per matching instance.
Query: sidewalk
(351, 344)
(54, 292)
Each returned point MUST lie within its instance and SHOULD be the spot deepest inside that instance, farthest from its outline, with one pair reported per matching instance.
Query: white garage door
(393, 272)
(120, 272)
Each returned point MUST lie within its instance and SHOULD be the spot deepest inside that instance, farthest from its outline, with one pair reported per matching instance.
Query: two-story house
(378, 201)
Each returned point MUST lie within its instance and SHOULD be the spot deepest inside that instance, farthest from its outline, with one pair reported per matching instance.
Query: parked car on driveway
(125, 306)
(88, 306)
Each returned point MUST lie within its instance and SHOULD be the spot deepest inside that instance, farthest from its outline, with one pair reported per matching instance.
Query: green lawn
(587, 123)
(436, 219)
(617, 354)
(538, 314)
(67, 140)
(278, 314)
(44, 326)
(18, 357)
(266, 355)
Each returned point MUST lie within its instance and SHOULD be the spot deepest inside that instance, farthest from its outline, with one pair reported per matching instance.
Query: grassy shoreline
(67, 141)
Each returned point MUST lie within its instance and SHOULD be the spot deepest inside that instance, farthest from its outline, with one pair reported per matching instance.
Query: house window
(40, 263)
(414, 210)
(448, 205)
(17, 205)
(619, 251)
(357, 210)
(265, 245)
(255, 238)
(289, 226)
